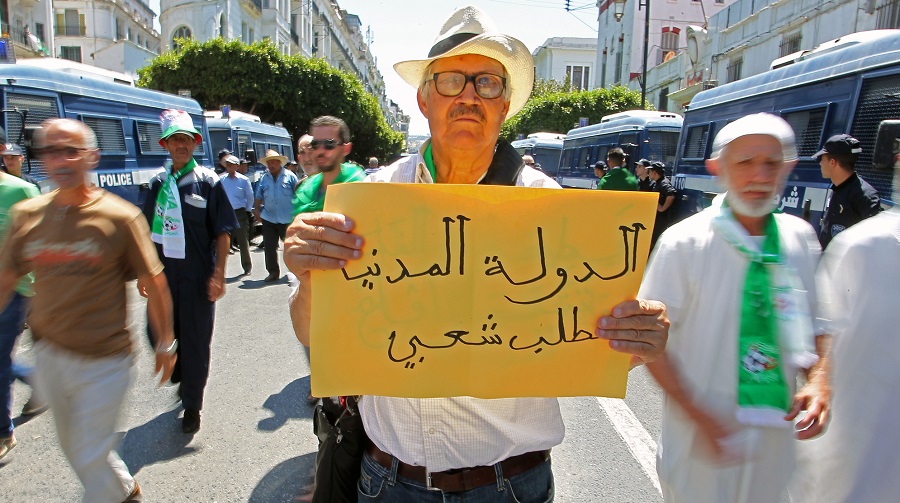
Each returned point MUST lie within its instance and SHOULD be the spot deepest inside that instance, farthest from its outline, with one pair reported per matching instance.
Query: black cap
(644, 162)
(224, 152)
(13, 149)
(840, 144)
(658, 167)
(601, 165)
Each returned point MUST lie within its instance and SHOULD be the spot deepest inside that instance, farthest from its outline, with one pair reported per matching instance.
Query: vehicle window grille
(695, 146)
(807, 125)
(109, 132)
(39, 108)
(148, 138)
(662, 147)
(879, 99)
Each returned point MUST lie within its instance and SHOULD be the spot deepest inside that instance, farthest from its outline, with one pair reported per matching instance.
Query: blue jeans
(377, 483)
(12, 322)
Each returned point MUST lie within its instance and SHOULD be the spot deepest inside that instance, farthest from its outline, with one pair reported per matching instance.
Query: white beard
(754, 209)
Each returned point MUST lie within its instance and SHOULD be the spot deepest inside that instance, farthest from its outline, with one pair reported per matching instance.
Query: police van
(847, 85)
(247, 137)
(124, 118)
(545, 148)
(640, 133)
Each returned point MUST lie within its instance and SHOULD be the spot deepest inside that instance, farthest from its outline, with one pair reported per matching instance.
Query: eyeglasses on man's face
(329, 144)
(487, 85)
(67, 153)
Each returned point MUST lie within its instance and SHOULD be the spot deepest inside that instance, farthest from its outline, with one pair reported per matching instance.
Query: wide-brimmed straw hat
(272, 154)
(470, 31)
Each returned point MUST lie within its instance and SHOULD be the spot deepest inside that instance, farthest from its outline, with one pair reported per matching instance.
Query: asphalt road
(256, 442)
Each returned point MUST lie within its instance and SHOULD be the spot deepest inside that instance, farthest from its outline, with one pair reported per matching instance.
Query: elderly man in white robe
(856, 460)
(738, 281)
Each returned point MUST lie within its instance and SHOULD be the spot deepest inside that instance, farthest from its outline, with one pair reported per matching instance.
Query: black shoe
(191, 421)
(273, 276)
(247, 271)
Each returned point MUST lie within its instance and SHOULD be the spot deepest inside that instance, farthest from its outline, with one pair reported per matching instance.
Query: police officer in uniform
(852, 198)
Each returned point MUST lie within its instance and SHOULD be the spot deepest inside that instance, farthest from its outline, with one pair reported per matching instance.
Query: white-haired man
(738, 283)
(460, 447)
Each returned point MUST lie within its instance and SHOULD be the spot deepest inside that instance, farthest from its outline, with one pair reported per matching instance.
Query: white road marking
(638, 440)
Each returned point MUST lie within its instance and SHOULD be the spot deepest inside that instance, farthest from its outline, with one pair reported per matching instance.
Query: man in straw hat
(274, 208)
(84, 245)
(462, 447)
(738, 281)
(190, 219)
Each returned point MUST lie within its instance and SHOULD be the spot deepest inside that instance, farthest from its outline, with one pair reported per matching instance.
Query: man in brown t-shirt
(83, 244)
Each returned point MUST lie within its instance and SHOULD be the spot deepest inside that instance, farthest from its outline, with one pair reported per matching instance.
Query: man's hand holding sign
(445, 296)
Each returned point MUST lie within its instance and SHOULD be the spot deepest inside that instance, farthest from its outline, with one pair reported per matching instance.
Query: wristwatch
(169, 350)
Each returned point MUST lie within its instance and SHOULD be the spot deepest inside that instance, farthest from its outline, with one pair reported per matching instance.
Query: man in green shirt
(12, 319)
(617, 178)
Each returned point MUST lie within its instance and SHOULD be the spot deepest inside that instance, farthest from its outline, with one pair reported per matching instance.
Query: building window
(39, 31)
(578, 77)
(180, 32)
(70, 23)
(620, 55)
(222, 25)
(733, 70)
(130, 37)
(888, 14)
(790, 44)
(119, 30)
(668, 43)
(250, 36)
(70, 53)
(663, 99)
(603, 70)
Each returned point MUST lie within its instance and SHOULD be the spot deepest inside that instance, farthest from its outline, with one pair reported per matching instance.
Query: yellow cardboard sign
(485, 291)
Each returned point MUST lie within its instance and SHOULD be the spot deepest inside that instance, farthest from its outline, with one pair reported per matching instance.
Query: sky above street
(404, 29)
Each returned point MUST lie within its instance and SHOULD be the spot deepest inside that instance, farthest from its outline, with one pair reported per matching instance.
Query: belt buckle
(428, 485)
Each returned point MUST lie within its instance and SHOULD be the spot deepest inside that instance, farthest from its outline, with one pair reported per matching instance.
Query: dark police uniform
(665, 189)
(851, 202)
(207, 213)
(646, 185)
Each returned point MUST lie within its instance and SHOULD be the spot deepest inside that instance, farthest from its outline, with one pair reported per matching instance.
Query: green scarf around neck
(168, 224)
(309, 197)
(761, 381)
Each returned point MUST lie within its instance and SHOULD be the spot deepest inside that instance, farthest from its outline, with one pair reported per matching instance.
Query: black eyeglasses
(487, 85)
(329, 144)
(68, 153)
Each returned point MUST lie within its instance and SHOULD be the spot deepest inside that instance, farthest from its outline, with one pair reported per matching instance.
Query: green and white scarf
(168, 224)
(775, 321)
(310, 197)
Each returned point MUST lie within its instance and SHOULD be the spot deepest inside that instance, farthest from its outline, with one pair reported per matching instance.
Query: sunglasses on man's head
(329, 144)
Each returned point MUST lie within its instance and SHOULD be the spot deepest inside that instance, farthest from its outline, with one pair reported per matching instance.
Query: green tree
(558, 112)
(258, 79)
(542, 87)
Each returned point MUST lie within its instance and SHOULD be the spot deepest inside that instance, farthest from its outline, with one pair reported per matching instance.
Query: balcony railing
(255, 3)
(70, 30)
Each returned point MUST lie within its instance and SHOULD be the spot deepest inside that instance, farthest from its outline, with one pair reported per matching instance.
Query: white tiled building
(311, 28)
(567, 59)
(620, 43)
(117, 35)
(749, 36)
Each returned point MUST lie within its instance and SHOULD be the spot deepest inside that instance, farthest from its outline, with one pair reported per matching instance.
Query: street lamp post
(646, 5)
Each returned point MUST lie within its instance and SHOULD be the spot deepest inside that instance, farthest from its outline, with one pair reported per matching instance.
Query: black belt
(461, 479)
